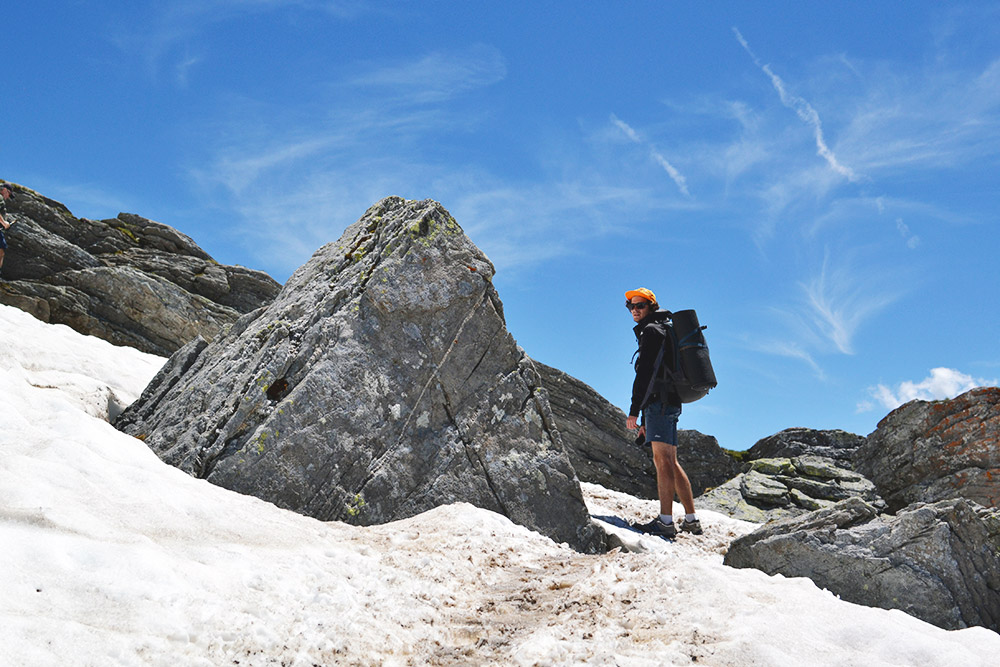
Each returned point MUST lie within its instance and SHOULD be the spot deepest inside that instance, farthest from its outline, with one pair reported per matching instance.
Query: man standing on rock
(5, 193)
(653, 395)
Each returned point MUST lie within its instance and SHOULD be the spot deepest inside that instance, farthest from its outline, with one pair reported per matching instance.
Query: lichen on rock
(408, 390)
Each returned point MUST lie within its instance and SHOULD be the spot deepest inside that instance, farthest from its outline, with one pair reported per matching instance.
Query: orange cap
(643, 292)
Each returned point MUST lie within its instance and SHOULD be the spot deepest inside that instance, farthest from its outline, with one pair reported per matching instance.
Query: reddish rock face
(927, 451)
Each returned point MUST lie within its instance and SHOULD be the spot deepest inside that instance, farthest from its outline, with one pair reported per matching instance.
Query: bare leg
(671, 479)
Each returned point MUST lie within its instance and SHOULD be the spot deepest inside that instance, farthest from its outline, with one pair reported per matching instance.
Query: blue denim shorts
(660, 421)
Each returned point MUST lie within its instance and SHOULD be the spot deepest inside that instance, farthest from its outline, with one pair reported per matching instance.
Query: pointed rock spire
(381, 382)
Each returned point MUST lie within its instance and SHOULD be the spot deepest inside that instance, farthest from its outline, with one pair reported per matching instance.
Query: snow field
(111, 557)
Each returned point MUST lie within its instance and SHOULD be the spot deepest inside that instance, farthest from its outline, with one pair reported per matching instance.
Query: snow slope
(111, 557)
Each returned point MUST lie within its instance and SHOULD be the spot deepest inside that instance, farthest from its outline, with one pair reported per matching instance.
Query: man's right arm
(649, 347)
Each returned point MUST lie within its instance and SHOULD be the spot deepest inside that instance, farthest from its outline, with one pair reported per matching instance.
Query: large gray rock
(604, 452)
(593, 432)
(778, 488)
(129, 280)
(926, 451)
(127, 307)
(838, 446)
(706, 463)
(381, 382)
(938, 562)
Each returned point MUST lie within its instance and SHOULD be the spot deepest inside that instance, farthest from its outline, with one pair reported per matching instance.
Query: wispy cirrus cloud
(840, 300)
(343, 120)
(675, 175)
(943, 118)
(912, 240)
(827, 312)
(804, 110)
(171, 30)
(790, 349)
(434, 77)
(299, 184)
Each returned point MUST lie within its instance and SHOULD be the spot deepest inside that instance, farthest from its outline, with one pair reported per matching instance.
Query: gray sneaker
(657, 527)
(693, 527)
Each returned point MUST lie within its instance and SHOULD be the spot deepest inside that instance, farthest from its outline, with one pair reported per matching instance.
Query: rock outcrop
(381, 382)
(938, 562)
(838, 446)
(128, 280)
(604, 452)
(778, 488)
(926, 451)
(707, 465)
(593, 432)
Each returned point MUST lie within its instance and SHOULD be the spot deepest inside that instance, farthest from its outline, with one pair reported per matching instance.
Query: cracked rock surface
(128, 280)
(381, 382)
(836, 445)
(778, 488)
(939, 562)
(925, 451)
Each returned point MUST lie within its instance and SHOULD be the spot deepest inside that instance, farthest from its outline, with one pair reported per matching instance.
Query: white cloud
(562, 214)
(675, 175)
(626, 128)
(942, 383)
(912, 240)
(241, 169)
(841, 299)
(182, 68)
(437, 76)
(792, 350)
(937, 118)
(804, 111)
(171, 24)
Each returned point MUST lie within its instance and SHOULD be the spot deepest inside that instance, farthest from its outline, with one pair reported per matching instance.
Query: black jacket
(651, 339)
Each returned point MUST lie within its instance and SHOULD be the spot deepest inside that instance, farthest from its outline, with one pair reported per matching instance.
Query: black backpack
(689, 373)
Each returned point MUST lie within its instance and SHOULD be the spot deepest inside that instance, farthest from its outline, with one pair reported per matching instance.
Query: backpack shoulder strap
(658, 364)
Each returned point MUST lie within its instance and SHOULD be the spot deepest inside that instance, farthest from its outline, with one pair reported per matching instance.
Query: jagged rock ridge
(380, 383)
(128, 280)
(838, 446)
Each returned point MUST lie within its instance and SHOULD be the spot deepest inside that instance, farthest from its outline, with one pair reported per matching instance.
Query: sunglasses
(637, 306)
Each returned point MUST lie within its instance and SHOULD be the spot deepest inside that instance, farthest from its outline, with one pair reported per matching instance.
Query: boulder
(706, 463)
(835, 445)
(926, 451)
(123, 306)
(593, 432)
(128, 280)
(604, 452)
(381, 382)
(938, 562)
(777, 488)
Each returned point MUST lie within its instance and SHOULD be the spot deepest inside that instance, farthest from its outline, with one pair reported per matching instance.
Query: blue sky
(818, 180)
